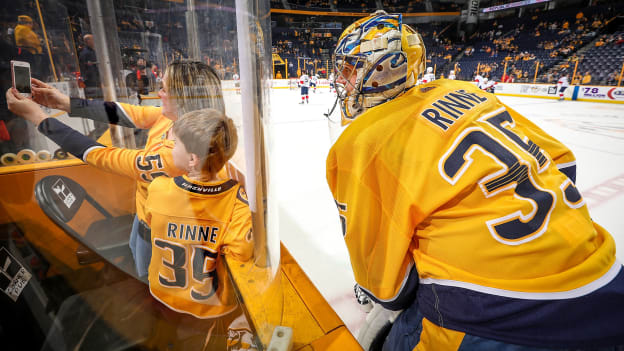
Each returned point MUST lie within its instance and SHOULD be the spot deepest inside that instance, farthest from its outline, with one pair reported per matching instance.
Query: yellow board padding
(18, 205)
(338, 339)
(607, 101)
(290, 299)
(39, 166)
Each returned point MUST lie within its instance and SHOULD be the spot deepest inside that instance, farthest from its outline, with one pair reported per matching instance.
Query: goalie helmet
(376, 59)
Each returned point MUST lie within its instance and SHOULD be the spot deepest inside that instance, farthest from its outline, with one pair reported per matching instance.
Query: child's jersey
(193, 223)
(146, 164)
(447, 181)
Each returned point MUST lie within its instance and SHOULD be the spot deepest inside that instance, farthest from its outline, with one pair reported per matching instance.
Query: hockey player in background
(313, 81)
(429, 76)
(304, 84)
(487, 85)
(451, 75)
(479, 80)
(332, 78)
(461, 217)
(236, 80)
(562, 85)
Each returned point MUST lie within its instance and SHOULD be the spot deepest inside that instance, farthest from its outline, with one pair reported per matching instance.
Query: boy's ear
(194, 160)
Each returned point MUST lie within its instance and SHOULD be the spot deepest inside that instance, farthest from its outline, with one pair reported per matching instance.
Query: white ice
(309, 224)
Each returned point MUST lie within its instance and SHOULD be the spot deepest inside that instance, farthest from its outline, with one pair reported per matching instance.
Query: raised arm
(108, 112)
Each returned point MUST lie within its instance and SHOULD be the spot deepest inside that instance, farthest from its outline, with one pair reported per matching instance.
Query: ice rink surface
(308, 218)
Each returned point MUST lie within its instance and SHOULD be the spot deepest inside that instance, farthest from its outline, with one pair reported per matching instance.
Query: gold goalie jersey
(478, 197)
(192, 223)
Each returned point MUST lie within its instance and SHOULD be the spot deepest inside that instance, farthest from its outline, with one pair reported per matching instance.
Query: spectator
(88, 69)
(29, 45)
(25, 37)
(586, 78)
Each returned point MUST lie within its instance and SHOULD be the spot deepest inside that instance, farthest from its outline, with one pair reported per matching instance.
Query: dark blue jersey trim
(404, 298)
(204, 189)
(570, 172)
(100, 111)
(242, 195)
(593, 320)
(67, 138)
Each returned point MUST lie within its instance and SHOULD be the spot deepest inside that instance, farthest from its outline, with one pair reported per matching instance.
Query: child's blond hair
(209, 134)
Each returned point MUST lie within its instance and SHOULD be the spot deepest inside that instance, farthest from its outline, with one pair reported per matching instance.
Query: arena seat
(61, 199)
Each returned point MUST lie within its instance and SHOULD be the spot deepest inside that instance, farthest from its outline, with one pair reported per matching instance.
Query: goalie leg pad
(377, 326)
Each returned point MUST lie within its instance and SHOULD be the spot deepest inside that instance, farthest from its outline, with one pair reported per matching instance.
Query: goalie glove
(376, 327)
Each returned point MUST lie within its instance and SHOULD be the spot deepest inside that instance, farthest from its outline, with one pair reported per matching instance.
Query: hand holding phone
(47, 95)
(20, 74)
(24, 107)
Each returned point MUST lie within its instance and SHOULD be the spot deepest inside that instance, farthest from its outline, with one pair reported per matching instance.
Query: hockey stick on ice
(329, 112)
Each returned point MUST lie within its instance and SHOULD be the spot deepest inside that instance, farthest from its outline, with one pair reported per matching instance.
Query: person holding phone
(187, 86)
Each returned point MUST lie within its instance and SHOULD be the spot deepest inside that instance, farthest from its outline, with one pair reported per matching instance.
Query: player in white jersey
(562, 85)
(451, 75)
(487, 85)
(478, 79)
(313, 81)
(429, 76)
(331, 82)
(304, 83)
(236, 79)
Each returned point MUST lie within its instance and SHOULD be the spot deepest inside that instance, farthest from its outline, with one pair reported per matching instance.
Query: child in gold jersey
(194, 219)
(187, 86)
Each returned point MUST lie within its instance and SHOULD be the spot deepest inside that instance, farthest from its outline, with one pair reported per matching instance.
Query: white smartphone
(20, 72)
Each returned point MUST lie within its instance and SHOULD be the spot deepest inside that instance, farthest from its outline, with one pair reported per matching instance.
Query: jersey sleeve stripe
(86, 152)
(406, 294)
(559, 295)
(531, 322)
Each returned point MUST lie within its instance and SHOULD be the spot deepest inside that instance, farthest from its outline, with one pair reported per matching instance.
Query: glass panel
(128, 251)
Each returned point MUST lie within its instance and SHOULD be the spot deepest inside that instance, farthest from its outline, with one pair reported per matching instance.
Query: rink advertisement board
(549, 91)
(600, 93)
